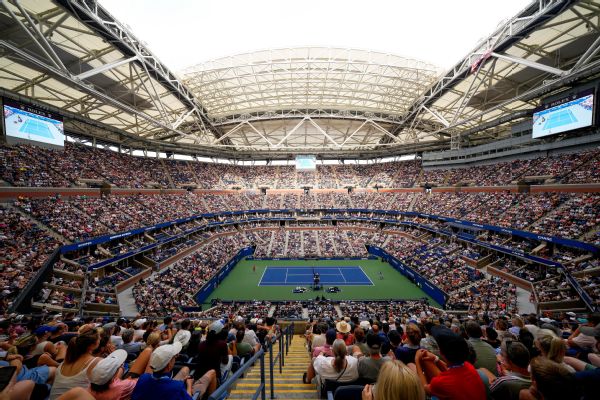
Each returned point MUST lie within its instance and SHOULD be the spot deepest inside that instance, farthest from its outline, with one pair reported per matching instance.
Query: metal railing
(283, 340)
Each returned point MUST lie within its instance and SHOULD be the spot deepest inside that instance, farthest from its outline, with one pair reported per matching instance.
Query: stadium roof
(73, 56)
(270, 81)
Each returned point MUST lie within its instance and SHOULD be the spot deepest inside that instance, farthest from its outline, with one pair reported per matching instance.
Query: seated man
(452, 378)
(370, 364)
(515, 361)
(160, 384)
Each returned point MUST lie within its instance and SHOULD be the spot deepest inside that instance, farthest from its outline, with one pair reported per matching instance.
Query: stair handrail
(222, 390)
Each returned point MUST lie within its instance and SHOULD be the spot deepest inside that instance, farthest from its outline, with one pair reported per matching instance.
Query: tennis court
(247, 281)
(38, 128)
(560, 118)
(330, 275)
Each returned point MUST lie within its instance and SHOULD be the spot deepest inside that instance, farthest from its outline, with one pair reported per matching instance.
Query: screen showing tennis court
(574, 112)
(330, 275)
(29, 123)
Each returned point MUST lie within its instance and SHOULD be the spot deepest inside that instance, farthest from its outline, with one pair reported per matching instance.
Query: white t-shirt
(324, 368)
(250, 337)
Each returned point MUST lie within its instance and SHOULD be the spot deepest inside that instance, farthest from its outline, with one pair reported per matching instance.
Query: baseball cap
(374, 342)
(139, 322)
(107, 367)
(216, 326)
(44, 329)
(451, 345)
(162, 355)
(330, 335)
(366, 325)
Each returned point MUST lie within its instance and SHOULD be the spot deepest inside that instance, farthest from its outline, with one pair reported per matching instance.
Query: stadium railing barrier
(283, 340)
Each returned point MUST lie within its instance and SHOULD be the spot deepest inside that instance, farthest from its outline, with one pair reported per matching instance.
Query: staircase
(288, 383)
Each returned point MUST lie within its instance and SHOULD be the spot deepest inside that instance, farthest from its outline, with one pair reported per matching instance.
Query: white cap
(104, 371)
(547, 320)
(162, 355)
(182, 336)
(216, 326)
(139, 322)
(366, 325)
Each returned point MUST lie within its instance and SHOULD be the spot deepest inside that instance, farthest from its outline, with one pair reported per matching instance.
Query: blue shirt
(159, 387)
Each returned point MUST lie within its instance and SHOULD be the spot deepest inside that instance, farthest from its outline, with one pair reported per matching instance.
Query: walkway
(288, 384)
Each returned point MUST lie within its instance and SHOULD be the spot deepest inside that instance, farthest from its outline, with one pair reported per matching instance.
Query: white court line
(342, 274)
(372, 284)
(262, 276)
(286, 274)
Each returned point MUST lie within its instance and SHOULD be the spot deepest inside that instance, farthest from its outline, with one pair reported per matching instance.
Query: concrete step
(288, 384)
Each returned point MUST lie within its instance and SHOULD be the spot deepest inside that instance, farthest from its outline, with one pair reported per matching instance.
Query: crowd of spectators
(25, 165)
(174, 288)
(448, 356)
(24, 249)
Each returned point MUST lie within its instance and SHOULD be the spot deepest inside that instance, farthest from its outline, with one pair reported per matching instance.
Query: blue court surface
(37, 128)
(560, 118)
(297, 276)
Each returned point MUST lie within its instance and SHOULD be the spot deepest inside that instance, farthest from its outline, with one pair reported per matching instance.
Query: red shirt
(458, 383)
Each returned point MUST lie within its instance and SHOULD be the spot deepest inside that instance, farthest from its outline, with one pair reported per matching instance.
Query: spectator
(341, 367)
(454, 377)
(485, 354)
(550, 381)
(105, 379)
(129, 345)
(78, 364)
(160, 385)
(395, 381)
(515, 376)
(370, 364)
(406, 353)
(213, 354)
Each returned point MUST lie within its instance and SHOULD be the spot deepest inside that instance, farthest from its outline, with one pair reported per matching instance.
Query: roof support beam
(36, 36)
(86, 88)
(104, 68)
(265, 138)
(531, 64)
(436, 116)
(353, 133)
(313, 123)
(291, 132)
(99, 20)
(588, 55)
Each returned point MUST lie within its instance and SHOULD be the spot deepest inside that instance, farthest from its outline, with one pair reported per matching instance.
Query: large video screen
(29, 123)
(563, 115)
(306, 163)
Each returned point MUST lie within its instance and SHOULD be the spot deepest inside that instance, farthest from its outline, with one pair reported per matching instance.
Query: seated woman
(79, 362)
(36, 351)
(395, 381)
(341, 367)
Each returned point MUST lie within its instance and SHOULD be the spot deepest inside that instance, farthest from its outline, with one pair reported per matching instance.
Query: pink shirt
(118, 390)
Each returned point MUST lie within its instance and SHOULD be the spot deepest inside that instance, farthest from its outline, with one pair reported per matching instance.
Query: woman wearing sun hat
(343, 328)
(105, 379)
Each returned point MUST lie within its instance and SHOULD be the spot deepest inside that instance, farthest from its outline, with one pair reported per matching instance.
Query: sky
(183, 33)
